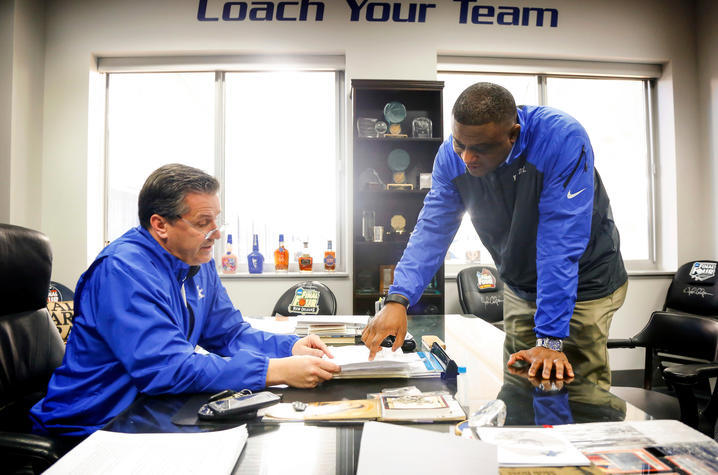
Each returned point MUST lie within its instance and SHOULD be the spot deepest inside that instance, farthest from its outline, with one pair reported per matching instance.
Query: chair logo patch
(485, 280)
(699, 291)
(305, 302)
(702, 271)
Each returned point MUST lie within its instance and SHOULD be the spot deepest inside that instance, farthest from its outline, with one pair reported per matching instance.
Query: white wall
(707, 43)
(21, 90)
(651, 31)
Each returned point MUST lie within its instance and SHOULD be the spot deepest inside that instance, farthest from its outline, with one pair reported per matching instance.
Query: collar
(180, 269)
(520, 143)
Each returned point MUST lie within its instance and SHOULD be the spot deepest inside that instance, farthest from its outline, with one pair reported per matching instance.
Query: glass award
(421, 128)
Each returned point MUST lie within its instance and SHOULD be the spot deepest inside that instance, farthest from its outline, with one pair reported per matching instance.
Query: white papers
(152, 454)
(354, 361)
(272, 325)
(337, 325)
(389, 448)
(532, 447)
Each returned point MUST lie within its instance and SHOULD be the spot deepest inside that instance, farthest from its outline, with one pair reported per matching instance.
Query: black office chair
(30, 347)
(306, 298)
(684, 332)
(481, 292)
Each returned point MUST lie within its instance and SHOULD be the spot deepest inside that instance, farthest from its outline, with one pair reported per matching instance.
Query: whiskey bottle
(330, 258)
(281, 256)
(255, 260)
(305, 259)
(229, 260)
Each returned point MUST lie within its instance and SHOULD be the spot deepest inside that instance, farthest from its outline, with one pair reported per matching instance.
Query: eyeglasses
(204, 231)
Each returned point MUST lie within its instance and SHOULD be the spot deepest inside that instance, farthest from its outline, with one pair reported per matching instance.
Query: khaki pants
(585, 346)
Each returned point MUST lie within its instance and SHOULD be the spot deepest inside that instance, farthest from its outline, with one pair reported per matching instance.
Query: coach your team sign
(468, 11)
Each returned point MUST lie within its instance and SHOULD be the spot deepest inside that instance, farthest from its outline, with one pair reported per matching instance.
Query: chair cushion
(26, 264)
(655, 404)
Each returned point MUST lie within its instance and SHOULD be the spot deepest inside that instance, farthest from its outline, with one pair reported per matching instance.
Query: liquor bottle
(255, 260)
(281, 256)
(305, 259)
(229, 260)
(330, 258)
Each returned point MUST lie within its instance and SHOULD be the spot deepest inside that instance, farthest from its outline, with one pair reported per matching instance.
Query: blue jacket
(544, 216)
(133, 334)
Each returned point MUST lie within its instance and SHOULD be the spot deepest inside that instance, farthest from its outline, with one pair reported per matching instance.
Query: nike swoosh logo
(573, 195)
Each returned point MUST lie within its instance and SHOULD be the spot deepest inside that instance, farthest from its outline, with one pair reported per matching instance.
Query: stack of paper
(114, 452)
(354, 361)
(336, 325)
(532, 447)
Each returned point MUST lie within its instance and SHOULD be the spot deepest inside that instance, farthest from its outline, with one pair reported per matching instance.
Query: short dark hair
(483, 103)
(165, 189)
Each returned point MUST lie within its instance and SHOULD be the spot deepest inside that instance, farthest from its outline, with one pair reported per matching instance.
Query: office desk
(304, 448)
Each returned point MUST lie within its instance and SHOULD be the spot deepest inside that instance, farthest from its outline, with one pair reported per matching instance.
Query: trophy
(398, 161)
(398, 224)
(395, 113)
(421, 128)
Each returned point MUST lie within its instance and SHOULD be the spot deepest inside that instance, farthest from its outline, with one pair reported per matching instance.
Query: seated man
(149, 305)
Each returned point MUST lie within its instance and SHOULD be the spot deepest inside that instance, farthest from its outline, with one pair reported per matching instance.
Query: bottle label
(305, 263)
(305, 302)
(330, 261)
(229, 264)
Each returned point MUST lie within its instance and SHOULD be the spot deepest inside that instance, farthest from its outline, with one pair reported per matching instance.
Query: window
(615, 113)
(271, 137)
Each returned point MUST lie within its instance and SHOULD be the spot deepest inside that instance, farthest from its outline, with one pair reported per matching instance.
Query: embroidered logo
(702, 271)
(570, 195)
(200, 293)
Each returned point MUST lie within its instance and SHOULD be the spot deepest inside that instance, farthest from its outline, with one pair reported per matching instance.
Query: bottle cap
(329, 244)
(306, 244)
(229, 239)
(281, 237)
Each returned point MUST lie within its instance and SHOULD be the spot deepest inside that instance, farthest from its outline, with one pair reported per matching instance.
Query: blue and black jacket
(140, 313)
(543, 214)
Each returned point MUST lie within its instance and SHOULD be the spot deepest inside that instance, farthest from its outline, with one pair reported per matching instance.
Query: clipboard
(438, 363)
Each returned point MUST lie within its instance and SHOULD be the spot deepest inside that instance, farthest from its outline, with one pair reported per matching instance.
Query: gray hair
(165, 189)
(483, 103)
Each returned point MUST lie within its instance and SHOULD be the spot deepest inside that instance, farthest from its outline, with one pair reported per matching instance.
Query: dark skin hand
(539, 382)
(391, 320)
(538, 357)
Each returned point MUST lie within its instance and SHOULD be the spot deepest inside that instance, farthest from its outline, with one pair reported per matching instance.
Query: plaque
(366, 127)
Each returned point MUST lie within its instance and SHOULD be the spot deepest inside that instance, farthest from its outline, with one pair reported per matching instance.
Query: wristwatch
(555, 344)
(396, 298)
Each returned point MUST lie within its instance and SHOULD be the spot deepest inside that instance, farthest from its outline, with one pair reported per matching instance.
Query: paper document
(389, 448)
(532, 447)
(152, 454)
(272, 325)
(354, 361)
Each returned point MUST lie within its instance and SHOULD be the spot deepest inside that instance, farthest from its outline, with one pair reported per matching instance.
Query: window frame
(220, 66)
(544, 69)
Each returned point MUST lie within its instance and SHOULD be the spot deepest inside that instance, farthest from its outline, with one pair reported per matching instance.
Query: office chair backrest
(691, 336)
(306, 298)
(694, 289)
(30, 345)
(481, 292)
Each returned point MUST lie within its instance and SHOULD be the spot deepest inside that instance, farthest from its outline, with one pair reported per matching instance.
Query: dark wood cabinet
(372, 172)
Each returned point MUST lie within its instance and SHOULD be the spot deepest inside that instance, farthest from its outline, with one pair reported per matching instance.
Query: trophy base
(396, 136)
(399, 186)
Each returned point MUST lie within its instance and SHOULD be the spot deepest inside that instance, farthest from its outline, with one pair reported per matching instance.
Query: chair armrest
(41, 449)
(690, 373)
(621, 343)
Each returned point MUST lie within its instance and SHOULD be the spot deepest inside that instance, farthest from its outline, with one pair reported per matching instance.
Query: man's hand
(540, 382)
(391, 320)
(311, 345)
(303, 371)
(538, 357)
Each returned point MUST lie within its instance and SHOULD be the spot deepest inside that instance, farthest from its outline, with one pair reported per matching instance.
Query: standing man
(152, 317)
(527, 179)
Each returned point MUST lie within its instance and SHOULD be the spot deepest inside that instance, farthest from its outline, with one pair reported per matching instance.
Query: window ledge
(286, 275)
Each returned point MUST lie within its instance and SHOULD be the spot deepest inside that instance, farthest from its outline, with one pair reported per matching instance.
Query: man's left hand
(311, 345)
(538, 357)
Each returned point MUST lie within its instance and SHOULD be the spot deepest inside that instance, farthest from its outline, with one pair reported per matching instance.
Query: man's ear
(514, 132)
(159, 224)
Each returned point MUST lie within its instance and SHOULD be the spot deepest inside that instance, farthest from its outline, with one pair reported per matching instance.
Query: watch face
(394, 112)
